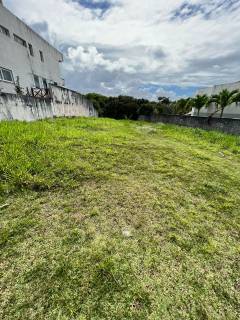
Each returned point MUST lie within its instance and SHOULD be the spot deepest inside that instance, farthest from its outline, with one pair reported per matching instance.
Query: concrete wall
(64, 103)
(70, 103)
(225, 125)
(231, 111)
(17, 58)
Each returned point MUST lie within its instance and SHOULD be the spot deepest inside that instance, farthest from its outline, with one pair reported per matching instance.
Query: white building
(232, 111)
(25, 57)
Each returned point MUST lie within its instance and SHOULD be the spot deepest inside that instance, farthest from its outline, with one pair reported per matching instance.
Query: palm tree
(199, 102)
(237, 98)
(181, 106)
(224, 99)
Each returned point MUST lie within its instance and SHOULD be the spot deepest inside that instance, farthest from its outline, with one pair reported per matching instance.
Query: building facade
(232, 111)
(26, 59)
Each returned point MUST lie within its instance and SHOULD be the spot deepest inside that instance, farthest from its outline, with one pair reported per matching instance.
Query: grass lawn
(104, 219)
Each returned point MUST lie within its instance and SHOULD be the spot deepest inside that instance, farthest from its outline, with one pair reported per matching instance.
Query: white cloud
(89, 58)
(164, 42)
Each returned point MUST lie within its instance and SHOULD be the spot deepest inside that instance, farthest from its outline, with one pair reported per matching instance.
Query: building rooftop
(219, 87)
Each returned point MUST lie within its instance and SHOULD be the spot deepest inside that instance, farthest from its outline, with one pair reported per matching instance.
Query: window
(4, 31)
(20, 40)
(30, 47)
(41, 56)
(6, 75)
(36, 81)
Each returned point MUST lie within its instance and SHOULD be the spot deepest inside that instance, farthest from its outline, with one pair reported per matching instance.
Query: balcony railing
(39, 93)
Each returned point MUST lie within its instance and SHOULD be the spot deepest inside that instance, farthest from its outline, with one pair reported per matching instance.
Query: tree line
(126, 107)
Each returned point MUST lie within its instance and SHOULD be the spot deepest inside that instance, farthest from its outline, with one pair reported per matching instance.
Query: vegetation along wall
(222, 124)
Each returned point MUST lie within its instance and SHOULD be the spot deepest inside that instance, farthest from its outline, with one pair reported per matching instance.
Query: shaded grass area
(110, 219)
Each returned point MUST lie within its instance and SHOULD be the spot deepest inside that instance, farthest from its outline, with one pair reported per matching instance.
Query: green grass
(105, 219)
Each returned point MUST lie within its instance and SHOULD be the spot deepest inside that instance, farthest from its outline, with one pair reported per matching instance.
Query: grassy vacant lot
(105, 219)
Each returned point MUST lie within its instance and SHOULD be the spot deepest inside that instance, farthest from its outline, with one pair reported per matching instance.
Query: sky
(142, 48)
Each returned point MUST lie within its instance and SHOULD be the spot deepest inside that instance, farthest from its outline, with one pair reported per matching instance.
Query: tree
(146, 109)
(199, 102)
(237, 98)
(122, 107)
(99, 101)
(224, 99)
(181, 106)
(164, 100)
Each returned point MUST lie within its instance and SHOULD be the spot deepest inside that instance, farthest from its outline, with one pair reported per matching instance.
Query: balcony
(42, 93)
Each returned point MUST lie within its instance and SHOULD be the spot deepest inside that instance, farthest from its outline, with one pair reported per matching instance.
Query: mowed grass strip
(105, 219)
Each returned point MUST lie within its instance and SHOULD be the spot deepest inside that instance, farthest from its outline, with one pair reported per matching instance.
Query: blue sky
(102, 5)
(141, 48)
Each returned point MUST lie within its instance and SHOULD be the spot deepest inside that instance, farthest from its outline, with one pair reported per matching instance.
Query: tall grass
(43, 155)
(104, 219)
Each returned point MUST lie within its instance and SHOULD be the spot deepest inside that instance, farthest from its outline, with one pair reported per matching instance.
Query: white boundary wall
(64, 103)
